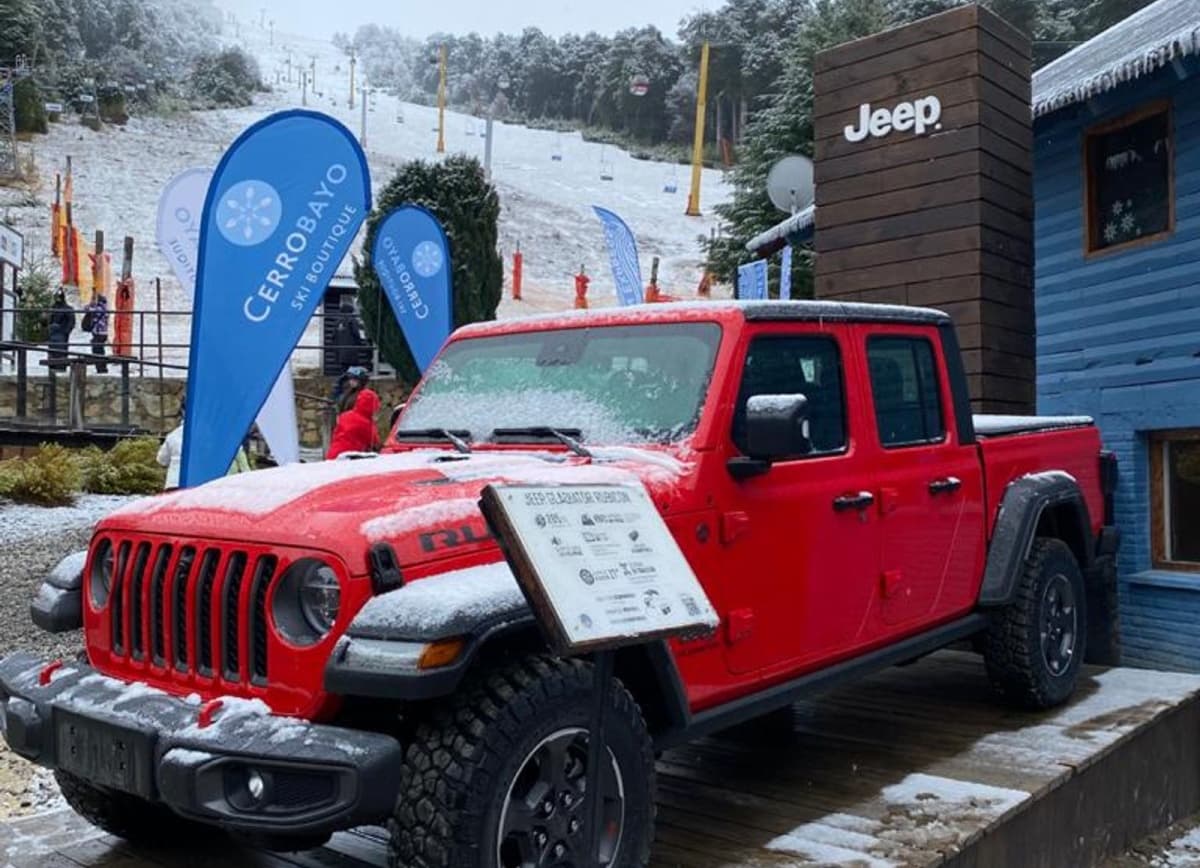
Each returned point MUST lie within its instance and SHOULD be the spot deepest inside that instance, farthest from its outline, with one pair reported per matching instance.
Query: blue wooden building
(1117, 277)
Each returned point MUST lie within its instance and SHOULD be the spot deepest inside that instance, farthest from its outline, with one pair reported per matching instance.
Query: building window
(1175, 499)
(1129, 180)
(904, 384)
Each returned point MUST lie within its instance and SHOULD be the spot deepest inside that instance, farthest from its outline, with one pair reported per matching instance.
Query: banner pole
(693, 204)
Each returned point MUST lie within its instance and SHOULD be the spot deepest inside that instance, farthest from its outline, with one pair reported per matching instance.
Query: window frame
(939, 391)
(1090, 228)
(844, 392)
(1159, 494)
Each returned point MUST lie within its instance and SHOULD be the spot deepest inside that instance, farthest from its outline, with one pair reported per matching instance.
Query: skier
(355, 430)
(62, 323)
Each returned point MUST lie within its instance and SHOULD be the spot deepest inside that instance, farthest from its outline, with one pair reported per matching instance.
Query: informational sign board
(598, 565)
(54, 108)
(12, 246)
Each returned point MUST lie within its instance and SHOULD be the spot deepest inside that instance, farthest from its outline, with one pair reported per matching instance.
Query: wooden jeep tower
(923, 188)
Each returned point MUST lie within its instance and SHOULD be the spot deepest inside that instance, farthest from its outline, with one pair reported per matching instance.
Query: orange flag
(54, 229)
(85, 267)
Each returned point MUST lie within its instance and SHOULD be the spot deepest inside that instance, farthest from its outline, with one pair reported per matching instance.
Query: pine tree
(781, 127)
(468, 208)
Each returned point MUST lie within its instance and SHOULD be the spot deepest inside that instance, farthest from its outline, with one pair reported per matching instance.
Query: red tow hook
(208, 711)
(48, 672)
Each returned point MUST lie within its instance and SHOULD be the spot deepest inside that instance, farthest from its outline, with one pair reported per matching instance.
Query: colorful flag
(411, 256)
(272, 234)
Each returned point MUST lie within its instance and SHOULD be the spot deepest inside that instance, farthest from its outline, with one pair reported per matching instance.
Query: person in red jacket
(355, 429)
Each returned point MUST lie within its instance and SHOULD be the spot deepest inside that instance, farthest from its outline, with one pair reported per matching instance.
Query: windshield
(615, 384)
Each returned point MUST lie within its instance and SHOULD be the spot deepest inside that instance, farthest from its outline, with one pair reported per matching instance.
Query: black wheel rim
(543, 823)
(1058, 625)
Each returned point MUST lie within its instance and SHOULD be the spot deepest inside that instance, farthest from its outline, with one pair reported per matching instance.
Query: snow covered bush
(29, 107)
(48, 477)
(33, 322)
(228, 78)
(130, 467)
(467, 205)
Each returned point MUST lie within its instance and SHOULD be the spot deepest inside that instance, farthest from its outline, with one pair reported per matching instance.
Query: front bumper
(248, 770)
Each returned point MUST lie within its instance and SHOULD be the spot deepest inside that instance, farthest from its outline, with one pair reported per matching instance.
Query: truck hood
(425, 503)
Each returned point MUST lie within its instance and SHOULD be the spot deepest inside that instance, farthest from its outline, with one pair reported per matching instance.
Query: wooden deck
(915, 766)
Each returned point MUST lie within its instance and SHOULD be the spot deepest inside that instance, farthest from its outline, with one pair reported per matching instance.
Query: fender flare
(1025, 501)
(380, 664)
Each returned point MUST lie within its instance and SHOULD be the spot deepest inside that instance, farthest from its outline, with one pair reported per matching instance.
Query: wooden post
(127, 259)
(693, 203)
(98, 287)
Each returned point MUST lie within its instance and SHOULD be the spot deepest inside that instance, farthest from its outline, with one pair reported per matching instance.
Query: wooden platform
(916, 766)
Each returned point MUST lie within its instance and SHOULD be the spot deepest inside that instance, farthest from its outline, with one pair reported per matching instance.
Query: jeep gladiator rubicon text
(304, 649)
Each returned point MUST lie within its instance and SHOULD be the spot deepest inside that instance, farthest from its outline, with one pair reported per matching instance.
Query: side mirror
(777, 427)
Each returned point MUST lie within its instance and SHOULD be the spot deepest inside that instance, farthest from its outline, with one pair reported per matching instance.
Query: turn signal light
(440, 653)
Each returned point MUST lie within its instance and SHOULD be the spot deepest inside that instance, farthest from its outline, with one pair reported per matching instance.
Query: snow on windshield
(614, 384)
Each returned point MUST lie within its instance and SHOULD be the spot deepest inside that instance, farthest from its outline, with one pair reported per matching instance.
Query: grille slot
(158, 592)
(179, 589)
(230, 627)
(206, 577)
(263, 575)
(117, 598)
(137, 585)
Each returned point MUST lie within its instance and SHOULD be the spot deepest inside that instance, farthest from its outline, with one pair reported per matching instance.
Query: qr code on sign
(690, 604)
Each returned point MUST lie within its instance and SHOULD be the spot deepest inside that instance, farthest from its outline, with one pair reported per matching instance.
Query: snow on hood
(345, 506)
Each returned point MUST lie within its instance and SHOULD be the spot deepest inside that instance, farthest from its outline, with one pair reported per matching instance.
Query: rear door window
(906, 391)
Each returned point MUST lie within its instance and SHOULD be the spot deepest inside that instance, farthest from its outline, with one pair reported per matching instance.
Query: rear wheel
(1035, 646)
(497, 777)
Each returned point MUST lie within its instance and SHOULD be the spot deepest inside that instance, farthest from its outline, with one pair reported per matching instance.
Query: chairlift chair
(671, 185)
(606, 173)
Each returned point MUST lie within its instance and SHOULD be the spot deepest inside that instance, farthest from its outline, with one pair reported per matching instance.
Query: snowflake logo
(1128, 224)
(1110, 232)
(1118, 206)
(427, 259)
(249, 213)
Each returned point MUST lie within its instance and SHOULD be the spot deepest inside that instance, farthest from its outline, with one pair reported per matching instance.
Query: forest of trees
(141, 50)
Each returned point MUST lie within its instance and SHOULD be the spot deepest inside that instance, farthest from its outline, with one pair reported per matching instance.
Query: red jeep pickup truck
(295, 651)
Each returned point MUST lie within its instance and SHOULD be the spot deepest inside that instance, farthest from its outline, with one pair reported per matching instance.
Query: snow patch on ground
(430, 515)
(21, 521)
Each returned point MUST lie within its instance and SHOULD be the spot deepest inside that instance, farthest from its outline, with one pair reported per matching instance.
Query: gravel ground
(1175, 847)
(32, 541)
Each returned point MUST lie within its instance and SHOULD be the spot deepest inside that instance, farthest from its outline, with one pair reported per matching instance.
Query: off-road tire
(465, 755)
(1013, 647)
(127, 816)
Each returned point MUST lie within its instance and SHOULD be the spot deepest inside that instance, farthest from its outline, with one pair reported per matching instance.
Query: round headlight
(320, 597)
(101, 575)
(306, 602)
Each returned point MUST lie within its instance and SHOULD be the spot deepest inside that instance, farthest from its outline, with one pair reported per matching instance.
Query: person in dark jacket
(96, 321)
(62, 323)
(355, 430)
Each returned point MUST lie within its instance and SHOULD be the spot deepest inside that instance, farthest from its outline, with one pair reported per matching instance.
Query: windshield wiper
(457, 438)
(565, 436)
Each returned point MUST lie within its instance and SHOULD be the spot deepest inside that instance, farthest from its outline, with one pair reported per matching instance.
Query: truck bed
(1016, 446)
(996, 426)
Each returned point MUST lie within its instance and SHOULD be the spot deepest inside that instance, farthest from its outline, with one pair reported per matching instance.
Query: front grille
(192, 609)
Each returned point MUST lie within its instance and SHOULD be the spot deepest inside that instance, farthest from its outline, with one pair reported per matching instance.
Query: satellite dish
(790, 184)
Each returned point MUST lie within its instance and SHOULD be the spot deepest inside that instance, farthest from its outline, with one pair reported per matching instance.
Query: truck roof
(713, 311)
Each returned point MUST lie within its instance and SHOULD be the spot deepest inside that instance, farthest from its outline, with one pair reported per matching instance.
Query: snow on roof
(1145, 41)
(795, 229)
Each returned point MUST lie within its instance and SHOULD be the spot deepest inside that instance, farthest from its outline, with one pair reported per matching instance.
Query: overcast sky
(321, 18)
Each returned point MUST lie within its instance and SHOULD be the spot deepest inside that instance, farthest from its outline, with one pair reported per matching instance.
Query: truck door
(800, 542)
(930, 486)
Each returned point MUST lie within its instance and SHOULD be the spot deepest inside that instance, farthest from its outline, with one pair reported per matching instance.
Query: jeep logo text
(919, 116)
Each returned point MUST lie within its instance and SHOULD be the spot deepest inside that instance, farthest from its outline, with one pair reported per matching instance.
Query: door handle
(945, 486)
(859, 500)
